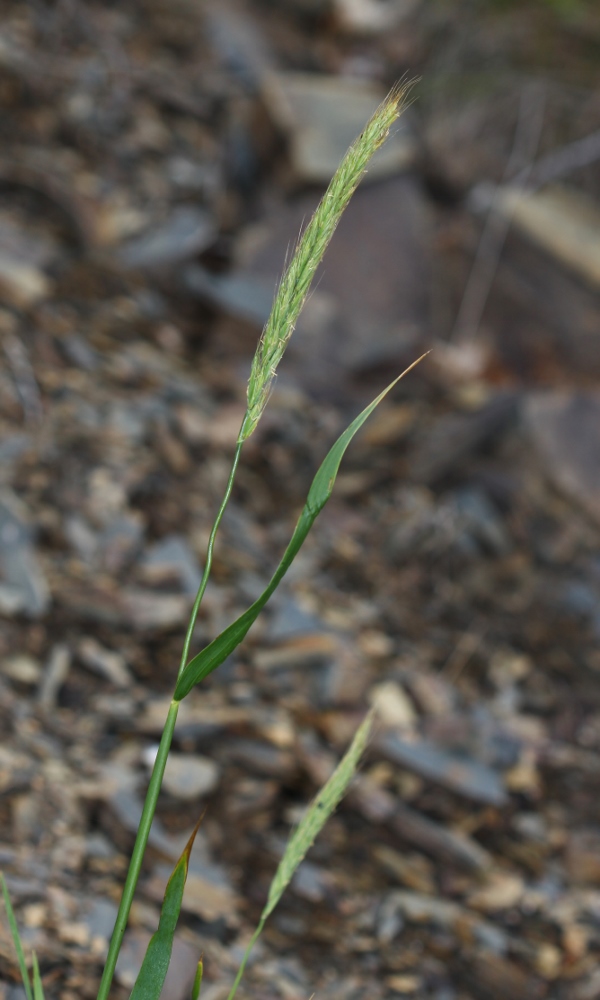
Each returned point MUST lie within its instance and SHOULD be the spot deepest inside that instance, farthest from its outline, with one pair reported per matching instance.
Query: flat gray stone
(172, 558)
(565, 429)
(369, 306)
(23, 588)
(322, 115)
(189, 776)
(188, 231)
(469, 778)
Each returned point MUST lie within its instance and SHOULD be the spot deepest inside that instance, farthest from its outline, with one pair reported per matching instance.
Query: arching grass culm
(290, 297)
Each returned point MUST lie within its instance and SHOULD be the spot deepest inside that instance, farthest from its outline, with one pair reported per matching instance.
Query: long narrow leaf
(198, 980)
(38, 989)
(213, 655)
(14, 930)
(317, 815)
(307, 830)
(152, 975)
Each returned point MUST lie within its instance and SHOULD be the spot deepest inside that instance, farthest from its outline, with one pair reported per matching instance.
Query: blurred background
(158, 160)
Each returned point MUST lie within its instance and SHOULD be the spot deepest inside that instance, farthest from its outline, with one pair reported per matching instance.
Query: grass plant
(290, 297)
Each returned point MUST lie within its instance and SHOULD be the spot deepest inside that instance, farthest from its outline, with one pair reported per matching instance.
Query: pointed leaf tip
(198, 980)
(152, 975)
(38, 989)
(187, 850)
(324, 481)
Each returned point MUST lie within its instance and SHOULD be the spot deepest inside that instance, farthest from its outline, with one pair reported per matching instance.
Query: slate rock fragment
(23, 587)
(495, 977)
(369, 309)
(21, 285)
(455, 438)
(106, 662)
(22, 668)
(23, 255)
(322, 115)
(564, 426)
(187, 232)
(462, 775)
(370, 17)
(170, 560)
(133, 607)
(188, 776)
(242, 296)
(563, 222)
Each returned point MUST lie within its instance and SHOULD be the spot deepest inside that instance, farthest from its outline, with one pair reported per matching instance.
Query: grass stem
(137, 857)
(141, 840)
(290, 297)
(208, 563)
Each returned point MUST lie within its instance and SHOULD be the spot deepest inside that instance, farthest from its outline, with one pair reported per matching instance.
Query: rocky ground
(158, 159)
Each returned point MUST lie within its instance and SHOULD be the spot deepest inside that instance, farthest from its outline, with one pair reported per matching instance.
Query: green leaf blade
(317, 815)
(38, 989)
(14, 930)
(324, 481)
(198, 980)
(152, 975)
(213, 655)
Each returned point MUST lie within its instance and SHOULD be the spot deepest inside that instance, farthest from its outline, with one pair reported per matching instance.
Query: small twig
(466, 647)
(573, 156)
(495, 231)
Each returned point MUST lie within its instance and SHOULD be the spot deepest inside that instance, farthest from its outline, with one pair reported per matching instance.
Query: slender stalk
(209, 555)
(139, 849)
(292, 293)
(242, 967)
(141, 840)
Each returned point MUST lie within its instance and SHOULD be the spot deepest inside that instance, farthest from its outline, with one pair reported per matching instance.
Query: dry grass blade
(308, 829)
(317, 815)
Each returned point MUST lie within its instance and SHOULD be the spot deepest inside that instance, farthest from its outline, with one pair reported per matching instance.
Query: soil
(152, 177)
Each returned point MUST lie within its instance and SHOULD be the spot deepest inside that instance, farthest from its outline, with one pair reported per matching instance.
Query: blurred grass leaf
(152, 975)
(317, 815)
(14, 930)
(308, 829)
(198, 980)
(38, 989)
(213, 655)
